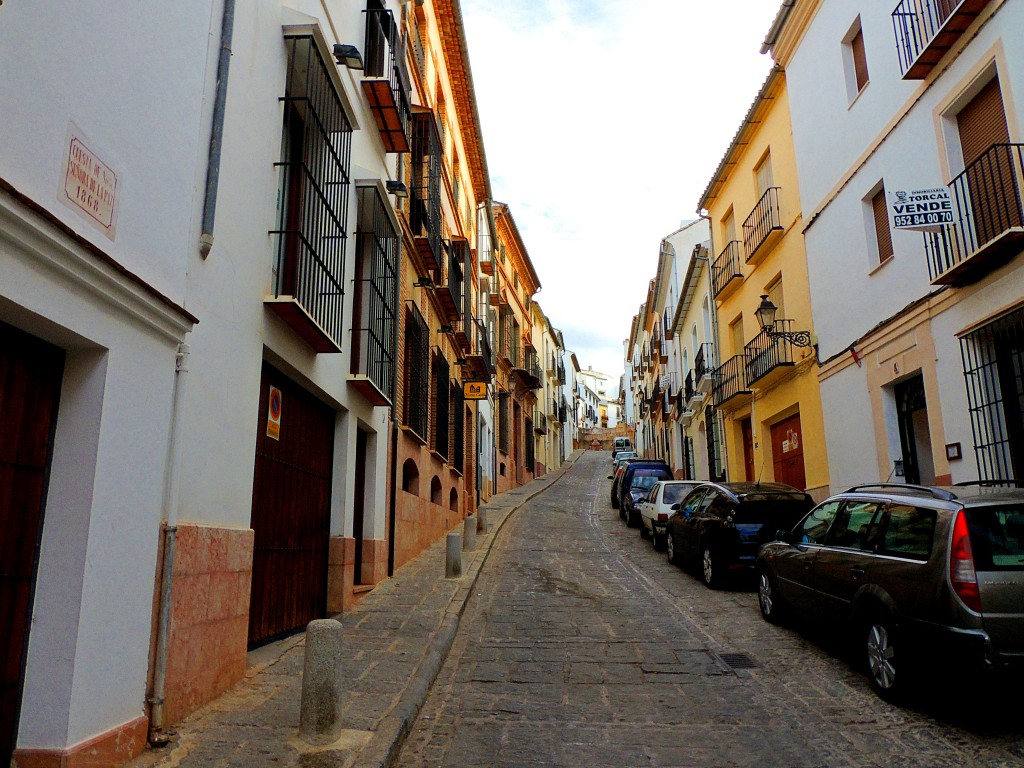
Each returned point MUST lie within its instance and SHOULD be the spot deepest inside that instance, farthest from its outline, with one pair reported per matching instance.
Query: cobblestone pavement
(582, 646)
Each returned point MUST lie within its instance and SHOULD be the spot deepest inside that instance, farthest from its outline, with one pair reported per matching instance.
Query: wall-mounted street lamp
(397, 188)
(766, 317)
(348, 56)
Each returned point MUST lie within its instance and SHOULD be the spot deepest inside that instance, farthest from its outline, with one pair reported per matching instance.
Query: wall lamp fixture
(424, 282)
(766, 317)
(397, 188)
(446, 329)
(348, 55)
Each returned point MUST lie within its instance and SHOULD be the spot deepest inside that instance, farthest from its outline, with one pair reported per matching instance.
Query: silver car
(919, 573)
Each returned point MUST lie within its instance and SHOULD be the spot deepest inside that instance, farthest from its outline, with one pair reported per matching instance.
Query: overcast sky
(603, 121)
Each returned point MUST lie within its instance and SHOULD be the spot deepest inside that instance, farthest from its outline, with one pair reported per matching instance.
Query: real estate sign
(926, 210)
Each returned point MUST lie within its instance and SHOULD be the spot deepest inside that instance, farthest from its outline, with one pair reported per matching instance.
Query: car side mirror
(783, 535)
(610, 477)
(676, 507)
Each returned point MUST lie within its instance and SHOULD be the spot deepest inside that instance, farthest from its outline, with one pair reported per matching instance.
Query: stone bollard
(320, 712)
(453, 556)
(469, 534)
(481, 520)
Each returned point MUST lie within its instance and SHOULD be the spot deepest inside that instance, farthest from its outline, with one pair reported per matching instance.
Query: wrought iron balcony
(702, 370)
(763, 226)
(731, 382)
(479, 360)
(768, 356)
(529, 374)
(727, 271)
(563, 413)
(927, 29)
(386, 82)
(425, 194)
(989, 229)
(688, 387)
(451, 284)
(540, 424)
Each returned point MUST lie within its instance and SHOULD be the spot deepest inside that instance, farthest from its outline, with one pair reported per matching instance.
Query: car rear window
(674, 493)
(997, 537)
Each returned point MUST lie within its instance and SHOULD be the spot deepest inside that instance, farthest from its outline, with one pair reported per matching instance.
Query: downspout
(157, 736)
(393, 500)
(217, 131)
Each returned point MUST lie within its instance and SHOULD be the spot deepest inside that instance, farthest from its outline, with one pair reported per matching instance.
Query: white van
(621, 444)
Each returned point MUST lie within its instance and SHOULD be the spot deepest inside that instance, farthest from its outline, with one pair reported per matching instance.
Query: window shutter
(882, 233)
(860, 61)
(982, 123)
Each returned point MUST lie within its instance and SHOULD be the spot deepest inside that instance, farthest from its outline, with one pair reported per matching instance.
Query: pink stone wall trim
(107, 750)
(209, 618)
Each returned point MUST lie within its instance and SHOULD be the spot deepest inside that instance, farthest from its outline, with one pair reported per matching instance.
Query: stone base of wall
(209, 618)
(420, 523)
(342, 591)
(108, 750)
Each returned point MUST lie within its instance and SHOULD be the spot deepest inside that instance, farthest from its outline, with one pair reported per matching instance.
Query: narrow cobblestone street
(582, 646)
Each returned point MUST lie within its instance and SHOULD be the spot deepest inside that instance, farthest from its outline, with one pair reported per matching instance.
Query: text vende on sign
(920, 209)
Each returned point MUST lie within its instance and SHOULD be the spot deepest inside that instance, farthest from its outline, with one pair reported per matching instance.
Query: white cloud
(603, 122)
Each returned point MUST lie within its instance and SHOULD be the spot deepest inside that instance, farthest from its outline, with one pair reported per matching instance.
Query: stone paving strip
(395, 643)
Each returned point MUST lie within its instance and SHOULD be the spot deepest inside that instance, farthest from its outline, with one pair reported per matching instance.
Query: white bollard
(453, 556)
(320, 711)
(469, 534)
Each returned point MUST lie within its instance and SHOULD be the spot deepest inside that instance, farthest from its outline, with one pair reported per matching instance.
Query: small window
(814, 527)
(855, 61)
(879, 235)
(763, 175)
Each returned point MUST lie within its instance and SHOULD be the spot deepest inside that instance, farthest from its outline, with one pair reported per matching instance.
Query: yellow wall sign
(274, 414)
(474, 390)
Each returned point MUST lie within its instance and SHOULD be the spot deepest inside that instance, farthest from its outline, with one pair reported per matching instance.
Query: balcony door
(915, 436)
(992, 174)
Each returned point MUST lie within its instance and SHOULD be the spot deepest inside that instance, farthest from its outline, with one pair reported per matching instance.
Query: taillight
(662, 517)
(962, 574)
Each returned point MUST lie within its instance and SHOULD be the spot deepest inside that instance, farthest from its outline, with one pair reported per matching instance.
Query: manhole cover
(736, 660)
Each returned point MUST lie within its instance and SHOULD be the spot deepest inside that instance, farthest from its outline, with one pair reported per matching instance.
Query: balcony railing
(386, 82)
(479, 360)
(765, 354)
(449, 292)
(731, 380)
(425, 194)
(727, 267)
(989, 228)
(927, 29)
(540, 424)
(702, 368)
(688, 387)
(762, 225)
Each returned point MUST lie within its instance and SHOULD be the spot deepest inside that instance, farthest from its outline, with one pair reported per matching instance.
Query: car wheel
(670, 549)
(883, 664)
(767, 598)
(710, 568)
(615, 501)
(632, 519)
(644, 533)
(658, 540)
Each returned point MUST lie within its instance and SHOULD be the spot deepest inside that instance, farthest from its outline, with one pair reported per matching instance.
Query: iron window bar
(425, 193)
(918, 23)
(772, 348)
(385, 58)
(417, 371)
(442, 407)
(458, 429)
(730, 379)
(727, 266)
(762, 221)
(315, 159)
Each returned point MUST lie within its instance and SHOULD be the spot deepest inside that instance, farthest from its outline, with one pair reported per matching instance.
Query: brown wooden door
(747, 432)
(291, 500)
(30, 379)
(788, 452)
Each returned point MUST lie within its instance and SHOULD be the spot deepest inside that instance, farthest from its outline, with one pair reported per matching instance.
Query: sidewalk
(395, 642)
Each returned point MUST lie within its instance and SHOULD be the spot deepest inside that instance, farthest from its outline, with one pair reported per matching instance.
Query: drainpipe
(217, 131)
(157, 736)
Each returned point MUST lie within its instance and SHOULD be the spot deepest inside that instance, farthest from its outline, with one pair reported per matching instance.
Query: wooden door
(747, 432)
(788, 452)
(30, 379)
(291, 500)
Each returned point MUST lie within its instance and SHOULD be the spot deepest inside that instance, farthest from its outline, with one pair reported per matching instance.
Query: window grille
(503, 421)
(377, 249)
(417, 372)
(993, 360)
(688, 458)
(715, 471)
(315, 158)
(458, 429)
(441, 407)
(529, 446)
(426, 185)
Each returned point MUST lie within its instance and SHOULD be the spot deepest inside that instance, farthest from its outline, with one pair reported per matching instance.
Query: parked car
(621, 444)
(636, 483)
(915, 573)
(618, 488)
(621, 456)
(659, 505)
(720, 526)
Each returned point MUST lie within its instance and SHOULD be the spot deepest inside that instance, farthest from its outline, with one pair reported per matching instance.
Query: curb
(394, 728)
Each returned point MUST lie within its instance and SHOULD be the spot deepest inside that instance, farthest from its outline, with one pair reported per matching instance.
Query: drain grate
(736, 660)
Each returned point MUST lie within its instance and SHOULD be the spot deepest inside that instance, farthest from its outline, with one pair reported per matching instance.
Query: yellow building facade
(766, 385)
